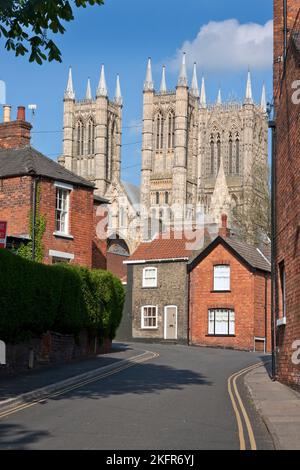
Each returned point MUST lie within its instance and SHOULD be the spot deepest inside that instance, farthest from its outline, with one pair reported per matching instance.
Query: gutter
(159, 260)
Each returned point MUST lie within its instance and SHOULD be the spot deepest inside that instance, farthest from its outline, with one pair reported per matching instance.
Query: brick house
(159, 281)
(28, 179)
(287, 191)
(230, 296)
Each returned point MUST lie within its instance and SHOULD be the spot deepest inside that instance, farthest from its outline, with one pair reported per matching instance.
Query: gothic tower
(93, 134)
(191, 147)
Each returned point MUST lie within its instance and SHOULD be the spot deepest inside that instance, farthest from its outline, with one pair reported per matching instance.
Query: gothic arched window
(237, 154)
(212, 155)
(91, 137)
(230, 153)
(159, 131)
(219, 151)
(166, 197)
(171, 130)
(80, 138)
(157, 197)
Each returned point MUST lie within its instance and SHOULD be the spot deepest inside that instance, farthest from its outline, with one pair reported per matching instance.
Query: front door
(171, 322)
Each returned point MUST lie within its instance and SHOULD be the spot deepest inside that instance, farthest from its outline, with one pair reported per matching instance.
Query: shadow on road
(16, 436)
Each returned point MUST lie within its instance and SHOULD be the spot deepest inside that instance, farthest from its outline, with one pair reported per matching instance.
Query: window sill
(144, 287)
(220, 336)
(220, 291)
(63, 235)
(150, 328)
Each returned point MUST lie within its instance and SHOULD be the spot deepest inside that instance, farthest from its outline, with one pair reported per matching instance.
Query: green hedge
(35, 298)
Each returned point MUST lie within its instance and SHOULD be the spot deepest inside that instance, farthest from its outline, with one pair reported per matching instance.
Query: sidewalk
(279, 407)
(44, 379)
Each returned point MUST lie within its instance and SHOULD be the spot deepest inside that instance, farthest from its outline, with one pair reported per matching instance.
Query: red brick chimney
(15, 134)
(224, 230)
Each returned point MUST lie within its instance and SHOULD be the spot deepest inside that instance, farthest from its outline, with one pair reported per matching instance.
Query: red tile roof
(163, 248)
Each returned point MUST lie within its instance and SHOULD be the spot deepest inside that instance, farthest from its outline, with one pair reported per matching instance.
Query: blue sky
(122, 34)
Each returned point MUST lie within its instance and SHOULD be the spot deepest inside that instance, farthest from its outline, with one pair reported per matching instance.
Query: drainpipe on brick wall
(34, 205)
(266, 313)
(285, 30)
(272, 126)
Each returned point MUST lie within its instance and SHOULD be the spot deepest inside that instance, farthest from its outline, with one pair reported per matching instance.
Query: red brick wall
(293, 7)
(15, 204)
(242, 299)
(288, 215)
(80, 223)
(116, 266)
(262, 307)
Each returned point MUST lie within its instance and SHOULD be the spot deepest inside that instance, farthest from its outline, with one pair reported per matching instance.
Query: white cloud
(229, 45)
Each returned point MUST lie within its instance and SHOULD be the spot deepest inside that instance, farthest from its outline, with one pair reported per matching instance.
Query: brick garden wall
(52, 348)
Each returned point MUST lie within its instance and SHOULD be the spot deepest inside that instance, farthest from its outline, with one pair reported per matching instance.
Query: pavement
(278, 406)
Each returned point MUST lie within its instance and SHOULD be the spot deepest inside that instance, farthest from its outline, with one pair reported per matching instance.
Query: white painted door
(171, 322)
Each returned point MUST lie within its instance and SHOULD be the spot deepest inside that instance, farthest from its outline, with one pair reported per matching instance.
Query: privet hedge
(35, 298)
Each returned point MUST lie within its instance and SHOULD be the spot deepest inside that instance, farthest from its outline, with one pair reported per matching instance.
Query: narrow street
(178, 399)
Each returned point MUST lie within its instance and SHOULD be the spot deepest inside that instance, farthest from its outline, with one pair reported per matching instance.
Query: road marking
(133, 361)
(237, 400)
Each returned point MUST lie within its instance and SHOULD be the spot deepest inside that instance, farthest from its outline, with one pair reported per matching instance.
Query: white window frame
(221, 283)
(146, 281)
(67, 189)
(229, 311)
(143, 326)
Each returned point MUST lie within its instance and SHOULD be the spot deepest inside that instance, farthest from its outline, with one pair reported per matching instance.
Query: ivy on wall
(40, 227)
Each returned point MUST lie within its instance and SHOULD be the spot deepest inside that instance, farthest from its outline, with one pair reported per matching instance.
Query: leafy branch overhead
(27, 26)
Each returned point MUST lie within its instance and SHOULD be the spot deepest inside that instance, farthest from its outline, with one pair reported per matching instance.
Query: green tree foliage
(27, 26)
(35, 298)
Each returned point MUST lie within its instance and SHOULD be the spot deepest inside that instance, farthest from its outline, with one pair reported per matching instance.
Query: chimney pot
(6, 113)
(21, 113)
(224, 230)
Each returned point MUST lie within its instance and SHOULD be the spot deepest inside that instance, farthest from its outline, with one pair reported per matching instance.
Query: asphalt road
(178, 400)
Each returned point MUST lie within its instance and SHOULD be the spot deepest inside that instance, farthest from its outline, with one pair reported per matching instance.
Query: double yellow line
(146, 356)
(240, 410)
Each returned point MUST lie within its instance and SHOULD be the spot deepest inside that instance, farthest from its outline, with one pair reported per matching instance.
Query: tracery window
(237, 154)
(91, 137)
(230, 154)
(171, 130)
(212, 155)
(219, 150)
(159, 131)
(80, 138)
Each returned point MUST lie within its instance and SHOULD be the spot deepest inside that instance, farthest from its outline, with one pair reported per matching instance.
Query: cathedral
(195, 155)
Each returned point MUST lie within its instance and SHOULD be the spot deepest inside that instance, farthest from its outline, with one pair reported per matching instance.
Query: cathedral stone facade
(194, 155)
(92, 149)
(197, 154)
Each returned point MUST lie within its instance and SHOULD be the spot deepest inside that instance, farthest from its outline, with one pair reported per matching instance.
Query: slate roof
(28, 161)
(254, 257)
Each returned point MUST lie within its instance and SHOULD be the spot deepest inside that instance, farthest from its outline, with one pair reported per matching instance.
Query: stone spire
(102, 88)
(220, 201)
(248, 97)
(263, 103)
(88, 95)
(194, 85)
(149, 85)
(163, 85)
(219, 99)
(118, 94)
(203, 94)
(182, 80)
(69, 93)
